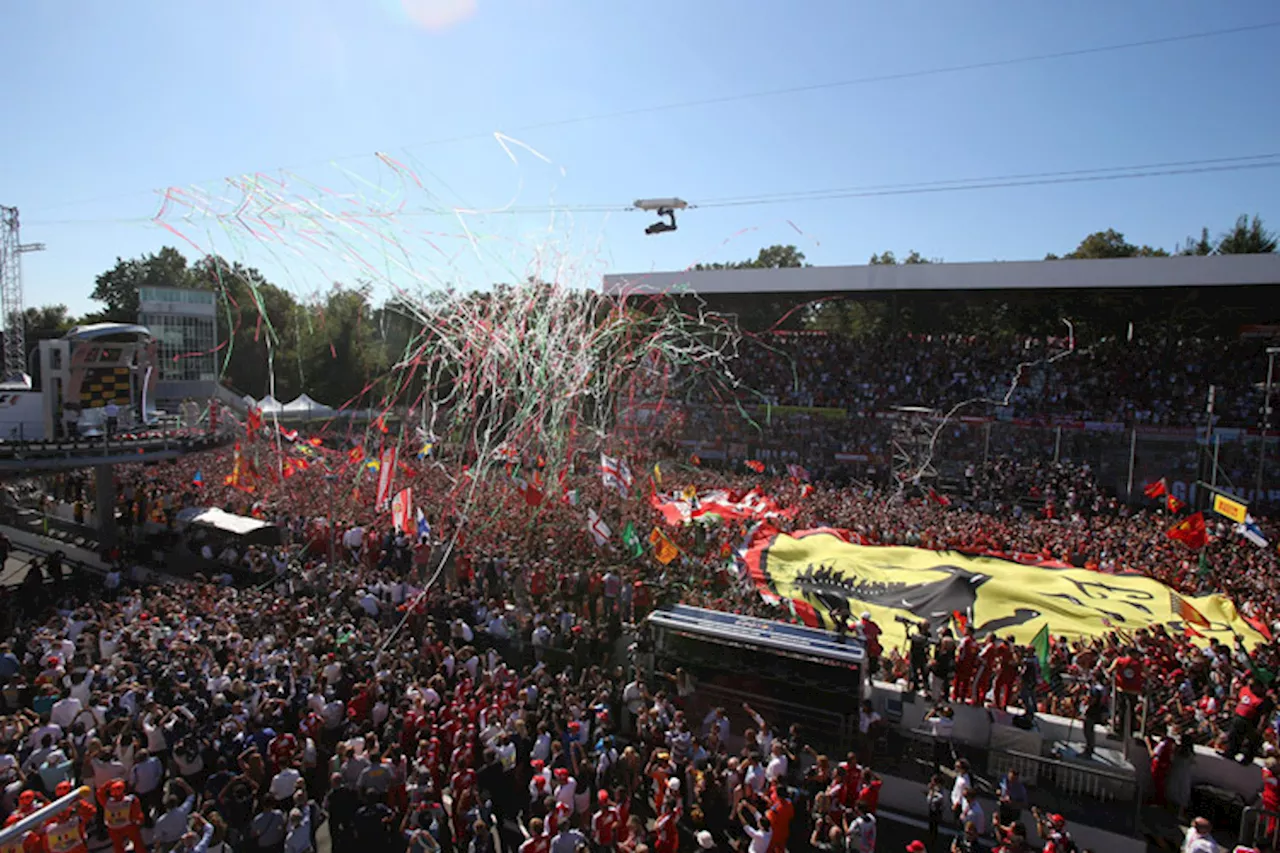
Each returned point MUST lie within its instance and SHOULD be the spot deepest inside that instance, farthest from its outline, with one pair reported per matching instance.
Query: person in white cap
(705, 840)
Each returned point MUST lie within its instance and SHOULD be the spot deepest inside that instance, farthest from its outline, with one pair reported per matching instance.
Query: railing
(1259, 826)
(13, 833)
(1070, 779)
(827, 728)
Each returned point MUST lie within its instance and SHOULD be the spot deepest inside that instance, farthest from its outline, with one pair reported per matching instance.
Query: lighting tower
(11, 303)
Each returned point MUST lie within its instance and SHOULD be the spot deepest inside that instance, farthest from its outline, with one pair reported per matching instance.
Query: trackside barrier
(825, 727)
(1070, 780)
(12, 834)
(1259, 826)
(1073, 780)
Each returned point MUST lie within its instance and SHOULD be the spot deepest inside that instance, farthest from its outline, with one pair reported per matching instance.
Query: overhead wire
(758, 94)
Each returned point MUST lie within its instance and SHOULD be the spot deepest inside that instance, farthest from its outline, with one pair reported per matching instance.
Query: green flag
(631, 540)
(1204, 567)
(1040, 645)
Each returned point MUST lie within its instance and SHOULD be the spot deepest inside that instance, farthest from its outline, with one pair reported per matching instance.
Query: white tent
(248, 400)
(269, 404)
(304, 405)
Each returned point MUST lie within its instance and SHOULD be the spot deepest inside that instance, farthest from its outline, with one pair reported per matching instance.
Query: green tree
(889, 259)
(118, 287)
(1110, 244)
(772, 257)
(341, 353)
(1195, 247)
(1247, 238)
(258, 327)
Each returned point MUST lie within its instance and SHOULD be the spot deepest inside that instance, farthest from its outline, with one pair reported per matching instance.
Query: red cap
(574, 726)
(603, 796)
(1057, 821)
(62, 788)
(916, 847)
(562, 773)
(540, 781)
(537, 764)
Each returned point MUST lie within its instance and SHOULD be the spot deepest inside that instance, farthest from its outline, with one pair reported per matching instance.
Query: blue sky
(116, 100)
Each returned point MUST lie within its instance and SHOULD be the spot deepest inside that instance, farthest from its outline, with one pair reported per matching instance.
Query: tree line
(339, 347)
(1025, 312)
(268, 341)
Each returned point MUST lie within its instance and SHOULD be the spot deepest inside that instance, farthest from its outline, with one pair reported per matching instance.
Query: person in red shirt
(871, 636)
(1161, 763)
(1254, 706)
(605, 824)
(966, 664)
(1270, 792)
(122, 813)
(1130, 680)
(985, 671)
(538, 841)
(1006, 672)
(780, 814)
(869, 795)
(666, 828)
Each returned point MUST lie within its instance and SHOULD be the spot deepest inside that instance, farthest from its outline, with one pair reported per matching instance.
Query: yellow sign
(819, 571)
(1233, 510)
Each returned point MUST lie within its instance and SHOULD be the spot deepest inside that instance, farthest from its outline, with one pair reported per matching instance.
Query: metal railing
(1067, 778)
(1259, 826)
(827, 728)
(13, 833)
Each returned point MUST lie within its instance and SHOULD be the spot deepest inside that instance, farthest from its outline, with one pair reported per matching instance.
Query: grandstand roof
(1116, 273)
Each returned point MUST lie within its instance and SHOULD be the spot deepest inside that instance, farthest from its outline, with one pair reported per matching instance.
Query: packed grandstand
(463, 677)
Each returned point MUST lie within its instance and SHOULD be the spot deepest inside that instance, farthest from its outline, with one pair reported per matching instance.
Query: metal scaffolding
(12, 305)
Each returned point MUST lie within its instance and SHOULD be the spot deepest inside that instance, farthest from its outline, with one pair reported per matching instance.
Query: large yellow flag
(825, 571)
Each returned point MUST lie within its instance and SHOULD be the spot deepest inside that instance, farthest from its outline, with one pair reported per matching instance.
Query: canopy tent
(269, 404)
(248, 400)
(304, 405)
(250, 531)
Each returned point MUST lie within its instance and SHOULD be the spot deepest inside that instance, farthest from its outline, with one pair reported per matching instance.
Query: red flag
(940, 500)
(1173, 503)
(1186, 612)
(1191, 632)
(1156, 489)
(1258, 625)
(755, 465)
(1191, 532)
(961, 621)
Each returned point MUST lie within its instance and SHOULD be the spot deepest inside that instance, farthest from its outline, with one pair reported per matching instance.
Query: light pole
(1266, 419)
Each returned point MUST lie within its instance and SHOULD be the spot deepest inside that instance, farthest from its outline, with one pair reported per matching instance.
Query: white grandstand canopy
(269, 404)
(1115, 273)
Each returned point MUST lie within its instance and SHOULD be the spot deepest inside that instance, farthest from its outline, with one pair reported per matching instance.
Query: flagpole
(1133, 455)
(1266, 420)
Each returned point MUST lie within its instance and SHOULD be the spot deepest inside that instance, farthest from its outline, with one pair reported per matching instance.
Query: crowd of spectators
(505, 711)
(1143, 380)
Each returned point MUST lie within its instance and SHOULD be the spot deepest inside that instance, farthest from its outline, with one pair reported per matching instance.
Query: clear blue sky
(110, 101)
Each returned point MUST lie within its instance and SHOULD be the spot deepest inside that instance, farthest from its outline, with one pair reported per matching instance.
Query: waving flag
(402, 511)
(1191, 531)
(994, 594)
(599, 531)
(198, 480)
(1156, 489)
(424, 528)
(616, 474)
(386, 474)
